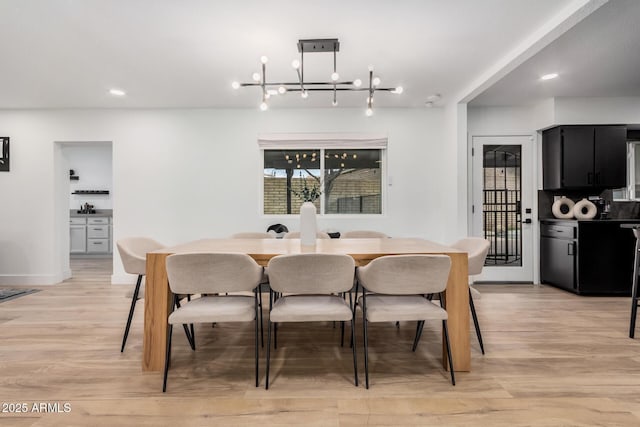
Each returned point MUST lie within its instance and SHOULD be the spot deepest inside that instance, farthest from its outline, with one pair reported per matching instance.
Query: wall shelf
(90, 192)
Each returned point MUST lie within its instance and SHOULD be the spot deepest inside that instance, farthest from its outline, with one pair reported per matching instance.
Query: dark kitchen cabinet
(593, 257)
(578, 157)
(558, 254)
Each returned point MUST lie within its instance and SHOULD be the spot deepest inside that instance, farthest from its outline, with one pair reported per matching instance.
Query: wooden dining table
(158, 299)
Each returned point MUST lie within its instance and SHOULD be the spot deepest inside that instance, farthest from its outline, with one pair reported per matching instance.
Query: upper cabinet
(578, 157)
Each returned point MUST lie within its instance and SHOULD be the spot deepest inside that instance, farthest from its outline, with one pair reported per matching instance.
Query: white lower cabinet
(77, 235)
(90, 235)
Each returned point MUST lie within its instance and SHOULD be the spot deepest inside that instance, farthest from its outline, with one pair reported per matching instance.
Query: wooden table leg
(156, 310)
(457, 300)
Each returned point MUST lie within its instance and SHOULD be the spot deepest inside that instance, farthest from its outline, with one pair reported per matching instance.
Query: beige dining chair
(213, 275)
(477, 249)
(309, 285)
(363, 234)
(296, 235)
(395, 287)
(133, 253)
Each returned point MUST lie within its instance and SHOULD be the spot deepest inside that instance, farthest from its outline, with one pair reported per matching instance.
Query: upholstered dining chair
(133, 253)
(363, 234)
(309, 285)
(395, 287)
(215, 276)
(296, 235)
(477, 249)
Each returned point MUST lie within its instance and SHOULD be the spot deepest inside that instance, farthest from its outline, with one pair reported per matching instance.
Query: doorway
(502, 207)
(83, 183)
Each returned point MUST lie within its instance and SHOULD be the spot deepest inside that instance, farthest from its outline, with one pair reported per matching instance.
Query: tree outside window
(350, 181)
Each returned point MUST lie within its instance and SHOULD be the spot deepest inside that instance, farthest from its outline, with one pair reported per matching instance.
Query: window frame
(322, 214)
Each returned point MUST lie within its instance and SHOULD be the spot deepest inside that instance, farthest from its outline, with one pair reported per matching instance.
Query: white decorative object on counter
(556, 208)
(584, 209)
(308, 224)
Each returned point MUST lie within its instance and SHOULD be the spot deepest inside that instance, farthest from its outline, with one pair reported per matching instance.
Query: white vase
(308, 224)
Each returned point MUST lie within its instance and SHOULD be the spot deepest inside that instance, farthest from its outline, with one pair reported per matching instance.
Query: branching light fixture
(304, 87)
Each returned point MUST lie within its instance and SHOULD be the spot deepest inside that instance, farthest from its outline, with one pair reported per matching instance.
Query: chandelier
(334, 85)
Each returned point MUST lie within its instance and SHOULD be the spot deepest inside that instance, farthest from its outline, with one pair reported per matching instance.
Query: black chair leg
(167, 358)
(475, 321)
(634, 289)
(419, 327)
(134, 298)
(446, 339)
(366, 352)
(266, 385)
(353, 347)
(261, 324)
(256, 337)
(341, 334)
(188, 329)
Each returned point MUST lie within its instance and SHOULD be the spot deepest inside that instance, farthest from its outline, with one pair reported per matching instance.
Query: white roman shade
(285, 141)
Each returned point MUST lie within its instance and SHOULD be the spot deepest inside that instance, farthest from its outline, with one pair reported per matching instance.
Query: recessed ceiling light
(549, 76)
(117, 92)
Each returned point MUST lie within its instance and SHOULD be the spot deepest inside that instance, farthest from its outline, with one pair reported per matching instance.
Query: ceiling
(185, 54)
(598, 57)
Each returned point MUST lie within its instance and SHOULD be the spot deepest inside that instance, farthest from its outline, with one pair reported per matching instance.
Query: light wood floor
(553, 359)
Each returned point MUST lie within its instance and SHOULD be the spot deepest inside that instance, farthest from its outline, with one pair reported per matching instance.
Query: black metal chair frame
(273, 296)
(475, 321)
(419, 328)
(191, 339)
(635, 298)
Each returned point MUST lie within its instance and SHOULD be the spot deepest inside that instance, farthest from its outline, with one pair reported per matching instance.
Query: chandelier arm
(263, 83)
(370, 100)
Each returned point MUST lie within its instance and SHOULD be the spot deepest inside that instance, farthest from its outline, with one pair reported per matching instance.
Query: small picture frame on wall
(4, 154)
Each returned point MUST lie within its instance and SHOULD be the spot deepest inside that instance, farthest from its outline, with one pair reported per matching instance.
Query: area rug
(9, 294)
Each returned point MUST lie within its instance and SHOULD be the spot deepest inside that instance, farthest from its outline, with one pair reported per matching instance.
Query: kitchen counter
(73, 213)
(573, 221)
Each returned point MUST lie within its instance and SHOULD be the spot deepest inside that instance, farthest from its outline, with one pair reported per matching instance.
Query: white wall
(180, 175)
(92, 163)
(621, 110)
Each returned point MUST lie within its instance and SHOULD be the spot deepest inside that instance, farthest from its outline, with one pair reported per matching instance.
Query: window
(350, 180)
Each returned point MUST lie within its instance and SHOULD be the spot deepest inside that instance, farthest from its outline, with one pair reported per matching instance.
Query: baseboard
(32, 279)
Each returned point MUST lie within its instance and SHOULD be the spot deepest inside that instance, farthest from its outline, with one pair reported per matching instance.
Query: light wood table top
(158, 296)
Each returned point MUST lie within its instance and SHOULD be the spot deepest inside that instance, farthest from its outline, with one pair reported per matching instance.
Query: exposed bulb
(264, 106)
(264, 59)
(369, 112)
(370, 67)
(334, 103)
(267, 95)
(235, 85)
(255, 77)
(295, 64)
(304, 94)
(357, 82)
(376, 81)
(335, 76)
(282, 90)
(398, 90)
